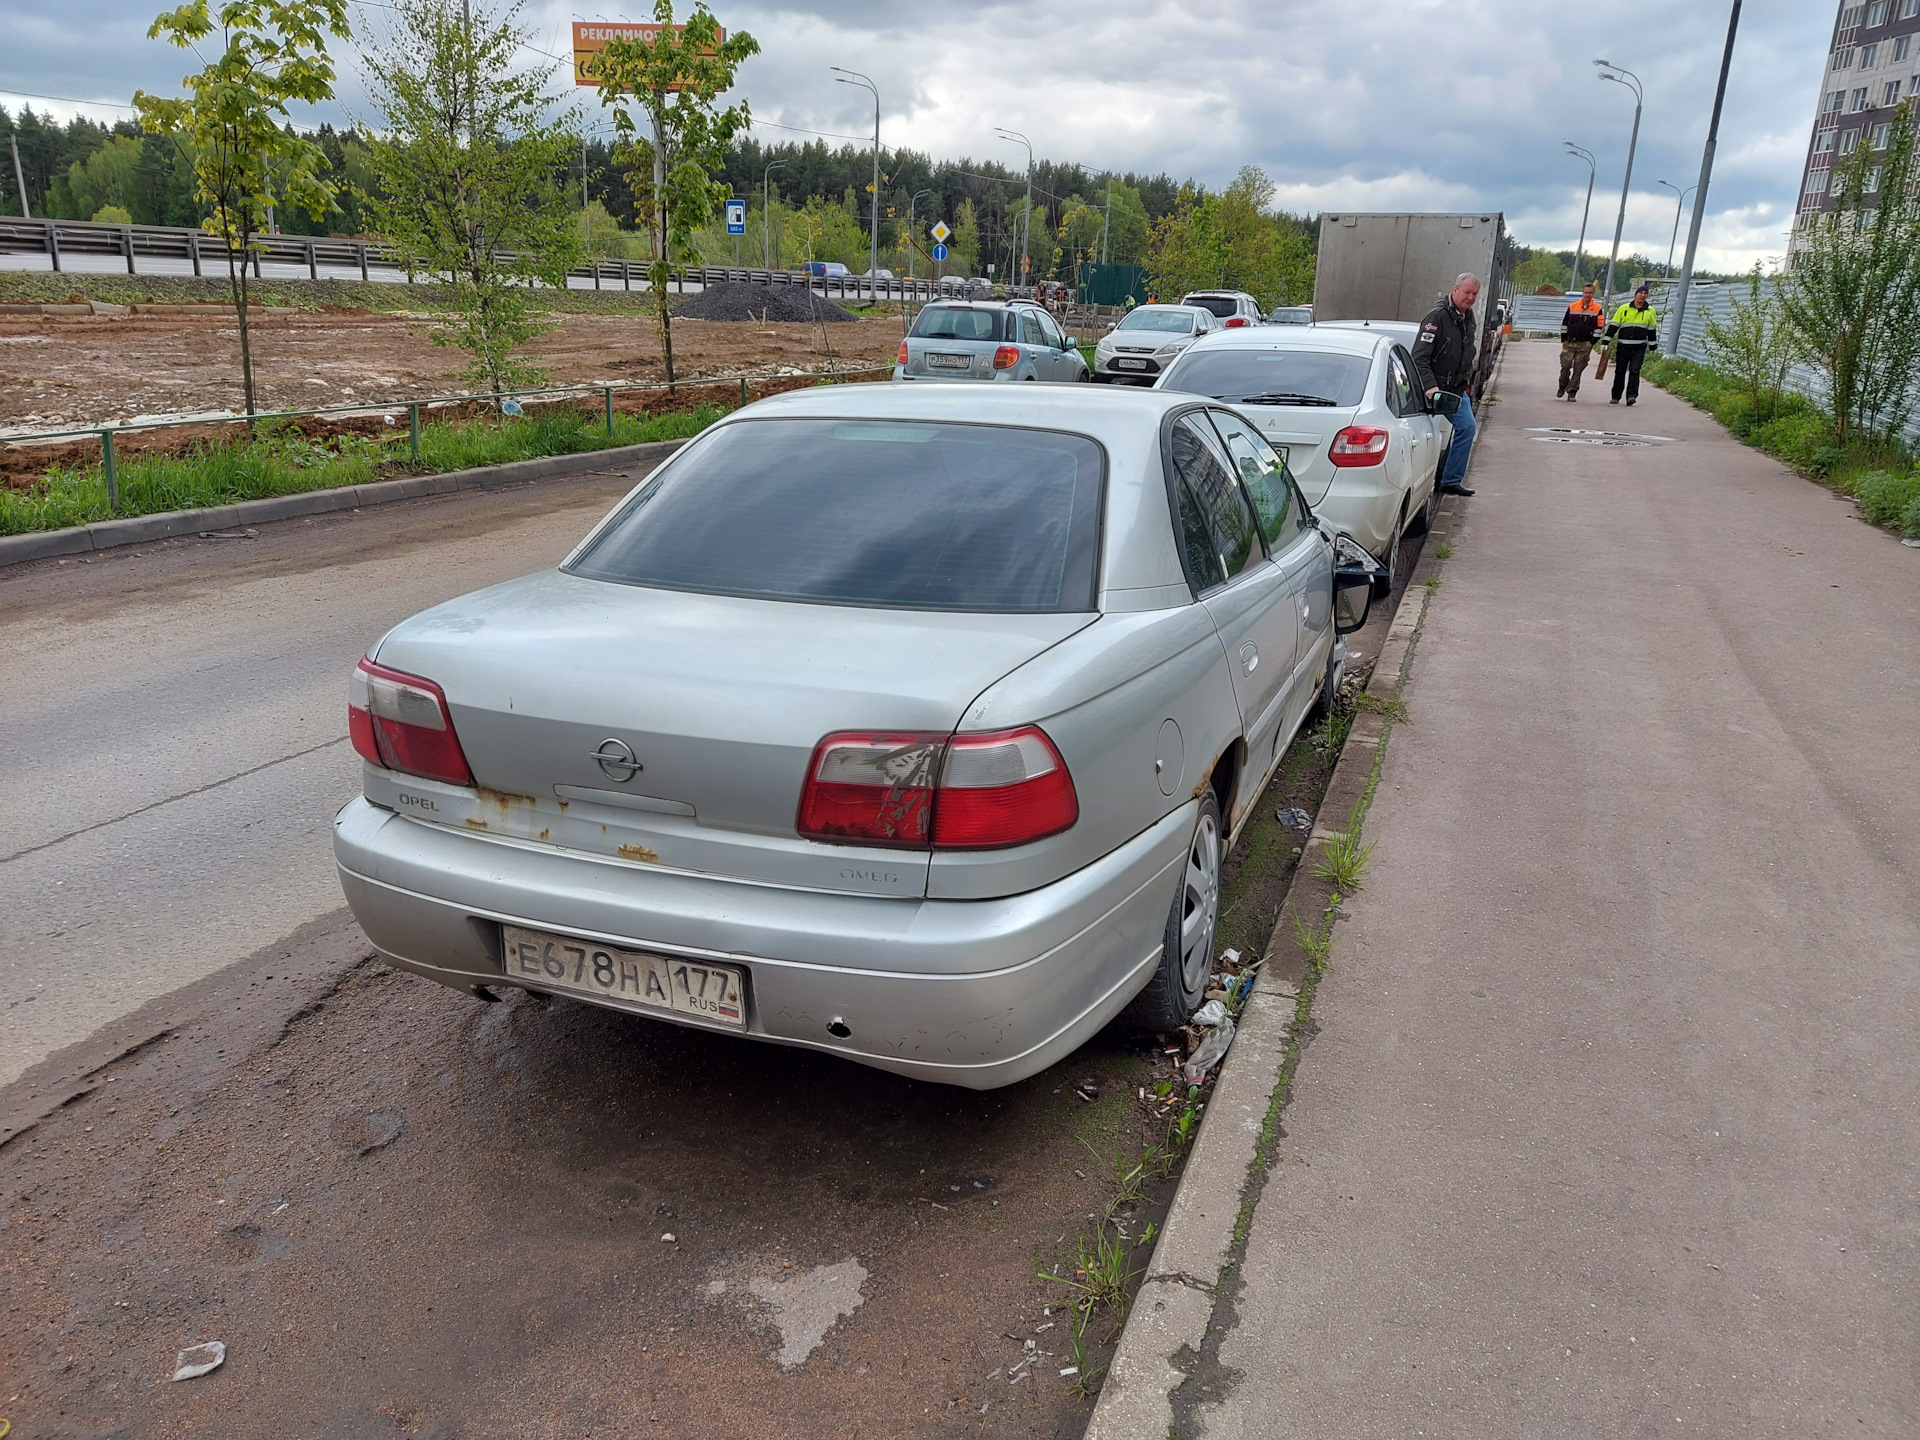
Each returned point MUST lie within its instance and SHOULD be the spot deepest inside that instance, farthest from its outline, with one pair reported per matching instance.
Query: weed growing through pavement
(1433, 583)
(1315, 942)
(1345, 861)
(1087, 1372)
(1443, 551)
(1101, 1271)
(1394, 709)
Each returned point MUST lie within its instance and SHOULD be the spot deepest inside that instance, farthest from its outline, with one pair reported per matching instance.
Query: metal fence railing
(59, 241)
(414, 408)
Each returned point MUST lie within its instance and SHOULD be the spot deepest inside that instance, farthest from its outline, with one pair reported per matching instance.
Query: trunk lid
(1304, 433)
(674, 728)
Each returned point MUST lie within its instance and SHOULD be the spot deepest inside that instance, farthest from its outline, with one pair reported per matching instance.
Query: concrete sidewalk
(1610, 1125)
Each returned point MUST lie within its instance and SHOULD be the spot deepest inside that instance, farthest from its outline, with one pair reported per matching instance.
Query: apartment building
(1872, 65)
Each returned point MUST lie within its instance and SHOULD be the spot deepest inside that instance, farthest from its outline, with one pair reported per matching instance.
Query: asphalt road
(1610, 1122)
(175, 737)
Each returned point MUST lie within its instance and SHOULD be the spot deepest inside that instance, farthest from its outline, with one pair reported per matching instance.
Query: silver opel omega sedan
(905, 723)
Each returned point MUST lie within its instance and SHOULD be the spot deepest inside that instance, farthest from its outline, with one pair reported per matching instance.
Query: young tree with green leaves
(273, 53)
(472, 165)
(1753, 345)
(1853, 295)
(680, 141)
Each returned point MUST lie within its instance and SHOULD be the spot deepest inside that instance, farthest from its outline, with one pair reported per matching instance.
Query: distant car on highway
(1341, 406)
(1234, 308)
(907, 723)
(1290, 315)
(881, 274)
(1147, 339)
(827, 269)
(988, 341)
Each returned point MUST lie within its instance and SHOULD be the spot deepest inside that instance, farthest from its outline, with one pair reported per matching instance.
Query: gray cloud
(1418, 104)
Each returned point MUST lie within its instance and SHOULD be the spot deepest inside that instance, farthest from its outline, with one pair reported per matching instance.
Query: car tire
(1186, 951)
(1429, 512)
(1392, 558)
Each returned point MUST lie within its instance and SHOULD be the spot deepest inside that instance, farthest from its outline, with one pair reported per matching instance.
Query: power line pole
(1026, 221)
(1706, 175)
(20, 179)
(766, 212)
(1106, 225)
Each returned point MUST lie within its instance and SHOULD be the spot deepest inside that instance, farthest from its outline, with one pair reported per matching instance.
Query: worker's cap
(1640, 290)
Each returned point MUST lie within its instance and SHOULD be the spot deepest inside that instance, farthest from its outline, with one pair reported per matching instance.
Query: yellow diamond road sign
(940, 232)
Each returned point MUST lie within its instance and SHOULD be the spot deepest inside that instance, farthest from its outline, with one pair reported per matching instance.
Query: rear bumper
(975, 993)
(964, 377)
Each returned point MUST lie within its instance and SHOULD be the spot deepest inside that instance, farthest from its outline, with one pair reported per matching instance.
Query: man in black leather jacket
(1443, 360)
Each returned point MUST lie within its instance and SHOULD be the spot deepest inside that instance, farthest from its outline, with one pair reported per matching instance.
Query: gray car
(905, 723)
(985, 340)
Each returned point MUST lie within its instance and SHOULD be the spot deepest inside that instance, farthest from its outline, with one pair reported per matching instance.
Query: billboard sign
(590, 37)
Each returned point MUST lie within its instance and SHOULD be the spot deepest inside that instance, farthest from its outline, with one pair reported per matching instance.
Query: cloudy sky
(1394, 105)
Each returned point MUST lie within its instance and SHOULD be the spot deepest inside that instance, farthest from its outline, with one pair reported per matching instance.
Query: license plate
(950, 362)
(1129, 364)
(686, 987)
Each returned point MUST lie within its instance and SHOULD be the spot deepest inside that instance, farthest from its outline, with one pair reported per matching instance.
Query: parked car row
(909, 723)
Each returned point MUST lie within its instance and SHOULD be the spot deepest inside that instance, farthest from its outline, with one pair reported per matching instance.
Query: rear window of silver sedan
(913, 515)
(1271, 377)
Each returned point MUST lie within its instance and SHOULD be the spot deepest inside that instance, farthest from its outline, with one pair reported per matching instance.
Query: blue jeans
(1455, 470)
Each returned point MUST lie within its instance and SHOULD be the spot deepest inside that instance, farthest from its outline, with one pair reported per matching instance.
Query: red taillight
(973, 792)
(903, 352)
(1002, 789)
(1006, 357)
(401, 722)
(871, 788)
(1236, 321)
(1359, 445)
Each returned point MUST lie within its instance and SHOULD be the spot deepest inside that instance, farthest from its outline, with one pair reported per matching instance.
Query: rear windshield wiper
(1283, 397)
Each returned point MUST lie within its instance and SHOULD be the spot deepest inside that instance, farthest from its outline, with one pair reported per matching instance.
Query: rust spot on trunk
(639, 852)
(543, 832)
(473, 824)
(505, 798)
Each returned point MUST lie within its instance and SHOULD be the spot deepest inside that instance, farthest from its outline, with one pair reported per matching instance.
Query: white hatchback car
(1233, 308)
(1342, 408)
(1148, 339)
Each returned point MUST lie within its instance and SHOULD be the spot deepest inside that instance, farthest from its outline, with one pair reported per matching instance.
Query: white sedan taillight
(1358, 445)
(401, 722)
(919, 790)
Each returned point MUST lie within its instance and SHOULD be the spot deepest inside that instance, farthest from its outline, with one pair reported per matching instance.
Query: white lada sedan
(1342, 408)
(905, 723)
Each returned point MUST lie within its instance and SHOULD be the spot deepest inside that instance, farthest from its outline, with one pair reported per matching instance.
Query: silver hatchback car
(905, 723)
(985, 340)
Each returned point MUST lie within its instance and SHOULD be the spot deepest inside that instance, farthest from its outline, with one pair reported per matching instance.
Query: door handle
(1249, 658)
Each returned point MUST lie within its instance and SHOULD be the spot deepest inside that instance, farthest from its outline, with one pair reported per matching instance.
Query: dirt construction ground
(58, 371)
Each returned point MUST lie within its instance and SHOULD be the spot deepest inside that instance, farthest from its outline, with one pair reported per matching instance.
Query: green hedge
(1878, 474)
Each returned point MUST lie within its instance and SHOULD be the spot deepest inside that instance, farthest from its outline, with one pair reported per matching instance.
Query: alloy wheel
(1200, 912)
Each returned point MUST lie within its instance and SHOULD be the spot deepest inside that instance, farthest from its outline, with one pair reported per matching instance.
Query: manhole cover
(1563, 435)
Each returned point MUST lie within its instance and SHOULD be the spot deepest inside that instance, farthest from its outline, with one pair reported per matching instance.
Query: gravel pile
(739, 300)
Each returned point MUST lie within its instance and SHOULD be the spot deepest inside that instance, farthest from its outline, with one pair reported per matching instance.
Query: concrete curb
(143, 529)
(1174, 1307)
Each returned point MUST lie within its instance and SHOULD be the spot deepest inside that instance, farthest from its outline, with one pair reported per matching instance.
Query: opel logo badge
(617, 760)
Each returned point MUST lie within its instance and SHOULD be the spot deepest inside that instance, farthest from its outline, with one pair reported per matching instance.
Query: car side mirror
(1352, 598)
(1444, 403)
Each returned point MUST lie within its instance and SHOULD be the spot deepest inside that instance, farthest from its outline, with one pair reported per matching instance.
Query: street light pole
(1706, 175)
(1579, 251)
(873, 264)
(1026, 222)
(1679, 208)
(1631, 81)
(912, 200)
(1106, 225)
(766, 213)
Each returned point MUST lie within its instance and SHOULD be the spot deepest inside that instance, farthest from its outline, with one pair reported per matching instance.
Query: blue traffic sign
(736, 217)
(939, 252)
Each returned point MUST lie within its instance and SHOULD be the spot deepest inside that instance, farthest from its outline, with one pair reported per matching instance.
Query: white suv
(1235, 308)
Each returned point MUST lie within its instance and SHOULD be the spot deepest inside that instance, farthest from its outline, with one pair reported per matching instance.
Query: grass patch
(1344, 865)
(1443, 551)
(277, 459)
(1878, 473)
(1395, 709)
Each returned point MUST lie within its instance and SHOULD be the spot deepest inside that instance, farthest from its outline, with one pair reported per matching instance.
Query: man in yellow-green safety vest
(1632, 333)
